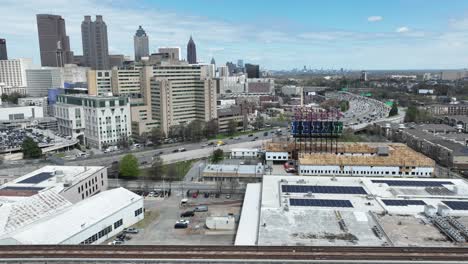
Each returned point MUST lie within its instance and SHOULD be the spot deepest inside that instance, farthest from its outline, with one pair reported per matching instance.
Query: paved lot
(161, 215)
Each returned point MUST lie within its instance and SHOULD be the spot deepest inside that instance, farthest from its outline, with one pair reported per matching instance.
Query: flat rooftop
(352, 211)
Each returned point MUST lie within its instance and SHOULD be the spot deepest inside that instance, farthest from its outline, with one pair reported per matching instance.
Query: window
(138, 212)
(118, 223)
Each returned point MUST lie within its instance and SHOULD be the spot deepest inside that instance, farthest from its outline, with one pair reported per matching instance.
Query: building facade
(34, 101)
(99, 82)
(95, 44)
(54, 43)
(173, 52)
(105, 120)
(141, 44)
(126, 82)
(20, 112)
(73, 73)
(191, 52)
(13, 72)
(252, 70)
(3, 50)
(41, 80)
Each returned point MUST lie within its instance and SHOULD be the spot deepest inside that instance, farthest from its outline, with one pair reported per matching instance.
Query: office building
(260, 86)
(34, 101)
(173, 52)
(95, 45)
(240, 63)
(102, 120)
(3, 50)
(54, 44)
(126, 83)
(15, 112)
(180, 94)
(364, 76)
(213, 61)
(99, 82)
(191, 52)
(13, 72)
(141, 45)
(116, 60)
(228, 115)
(223, 71)
(252, 70)
(41, 80)
(73, 73)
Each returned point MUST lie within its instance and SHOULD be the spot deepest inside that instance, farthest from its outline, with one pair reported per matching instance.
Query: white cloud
(402, 30)
(374, 18)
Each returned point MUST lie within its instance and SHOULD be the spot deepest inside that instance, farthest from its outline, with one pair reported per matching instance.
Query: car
(183, 221)
(265, 134)
(131, 230)
(217, 195)
(151, 194)
(180, 226)
(201, 208)
(182, 149)
(231, 138)
(211, 143)
(228, 196)
(194, 195)
(144, 162)
(187, 214)
(175, 150)
(250, 135)
(206, 195)
(237, 138)
(204, 145)
(116, 242)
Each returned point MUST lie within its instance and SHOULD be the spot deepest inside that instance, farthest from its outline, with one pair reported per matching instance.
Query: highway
(228, 254)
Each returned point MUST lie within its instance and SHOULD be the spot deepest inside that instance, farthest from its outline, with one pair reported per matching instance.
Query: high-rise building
(41, 80)
(364, 76)
(13, 72)
(223, 71)
(116, 60)
(95, 45)
(213, 61)
(100, 83)
(252, 70)
(191, 52)
(54, 43)
(240, 63)
(173, 52)
(3, 50)
(141, 45)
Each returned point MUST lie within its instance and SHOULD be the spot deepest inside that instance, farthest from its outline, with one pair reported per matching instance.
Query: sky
(332, 34)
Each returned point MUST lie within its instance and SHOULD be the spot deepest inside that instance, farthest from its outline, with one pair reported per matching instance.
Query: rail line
(233, 253)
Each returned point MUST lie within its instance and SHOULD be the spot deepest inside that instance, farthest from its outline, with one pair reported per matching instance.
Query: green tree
(129, 166)
(157, 169)
(217, 156)
(259, 122)
(232, 127)
(195, 130)
(211, 128)
(156, 135)
(30, 149)
(394, 110)
(12, 98)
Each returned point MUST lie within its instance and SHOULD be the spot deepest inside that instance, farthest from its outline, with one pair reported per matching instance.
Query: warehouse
(354, 211)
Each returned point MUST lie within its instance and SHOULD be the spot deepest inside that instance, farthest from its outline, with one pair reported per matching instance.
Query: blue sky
(411, 34)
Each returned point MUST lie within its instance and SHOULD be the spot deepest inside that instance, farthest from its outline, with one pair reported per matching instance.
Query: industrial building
(229, 173)
(354, 211)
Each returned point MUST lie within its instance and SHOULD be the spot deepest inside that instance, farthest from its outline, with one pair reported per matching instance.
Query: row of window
(365, 172)
(138, 212)
(277, 157)
(97, 236)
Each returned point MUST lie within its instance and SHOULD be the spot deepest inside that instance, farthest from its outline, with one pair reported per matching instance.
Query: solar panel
(457, 205)
(323, 189)
(320, 203)
(402, 202)
(413, 183)
(40, 177)
(21, 188)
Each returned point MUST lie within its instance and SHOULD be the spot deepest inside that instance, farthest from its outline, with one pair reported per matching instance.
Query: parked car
(182, 149)
(201, 208)
(265, 133)
(131, 230)
(187, 214)
(175, 150)
(183, 221)
(194, 195)
(228, 196)
(250, 135)
(116, 242)
(180, 225)
(207, 195)
(217, 195)
(144, 162)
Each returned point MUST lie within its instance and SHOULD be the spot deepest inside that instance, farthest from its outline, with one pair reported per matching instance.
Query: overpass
(227, 254)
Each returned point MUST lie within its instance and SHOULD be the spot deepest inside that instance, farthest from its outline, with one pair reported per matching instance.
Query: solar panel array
(457, 205)
(323, 189)
(320, 203)
(40, 177)
(413, 183)
(402, 202)
(21, 188)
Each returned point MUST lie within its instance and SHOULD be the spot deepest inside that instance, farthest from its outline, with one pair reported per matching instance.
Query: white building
(233, 84)
(13, 72)
(14, 112)
(240, 153)
(49, 218)
(73, 73)
(36, 101)
(41, 80)
(106, 121)
(223, 71)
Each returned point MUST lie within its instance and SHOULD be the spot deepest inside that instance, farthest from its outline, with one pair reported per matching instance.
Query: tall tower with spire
(213, 61)
(191, 52)
(141, 45)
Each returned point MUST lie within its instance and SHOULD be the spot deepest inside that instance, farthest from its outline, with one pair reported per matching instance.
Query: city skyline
(393, 35)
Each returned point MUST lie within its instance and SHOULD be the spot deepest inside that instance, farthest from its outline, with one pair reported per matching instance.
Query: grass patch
(150, 216)
(182, 168)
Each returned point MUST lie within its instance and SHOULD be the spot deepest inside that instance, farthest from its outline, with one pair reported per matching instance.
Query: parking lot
(161, 215)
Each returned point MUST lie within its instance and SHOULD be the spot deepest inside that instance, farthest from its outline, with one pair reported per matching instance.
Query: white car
(183, 221)
(116, 242)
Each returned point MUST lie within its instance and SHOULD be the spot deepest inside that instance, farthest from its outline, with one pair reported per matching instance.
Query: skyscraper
(252, 70)
(54, 43)
(213, 61)
(141, 45)
(191, 52)
(95, 45)
(3, 50)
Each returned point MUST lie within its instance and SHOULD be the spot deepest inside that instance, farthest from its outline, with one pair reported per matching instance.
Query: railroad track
(233, 253)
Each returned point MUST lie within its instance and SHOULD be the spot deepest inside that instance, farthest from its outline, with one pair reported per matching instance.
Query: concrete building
(242, 153)
(233, 173)
(41, 80)
(223, 71)
(179, 94)
(453, 75)
(173, 53)
(447, 109)
(141, 44)
(99, 82)
(116, 60)
(232, 84)
(54, 44)
(126, 82)
(13, 72)
(103, 121)
(3, 50)
(191, 52)
(252, 70)
(73, 73)
(353, 211)
(95, 45)
(291, 90)
(34, 101)
(14, 112)
(228, 115)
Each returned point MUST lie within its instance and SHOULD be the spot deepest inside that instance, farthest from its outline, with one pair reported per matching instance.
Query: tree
(30, 149)
(217, 156)
(394, 110)
(124, 142)
(232, 127)
(211, 128)
(259, 122)
(156, 135)
(194, 130)
(12, 98)
(157, 169)
(129, 167)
